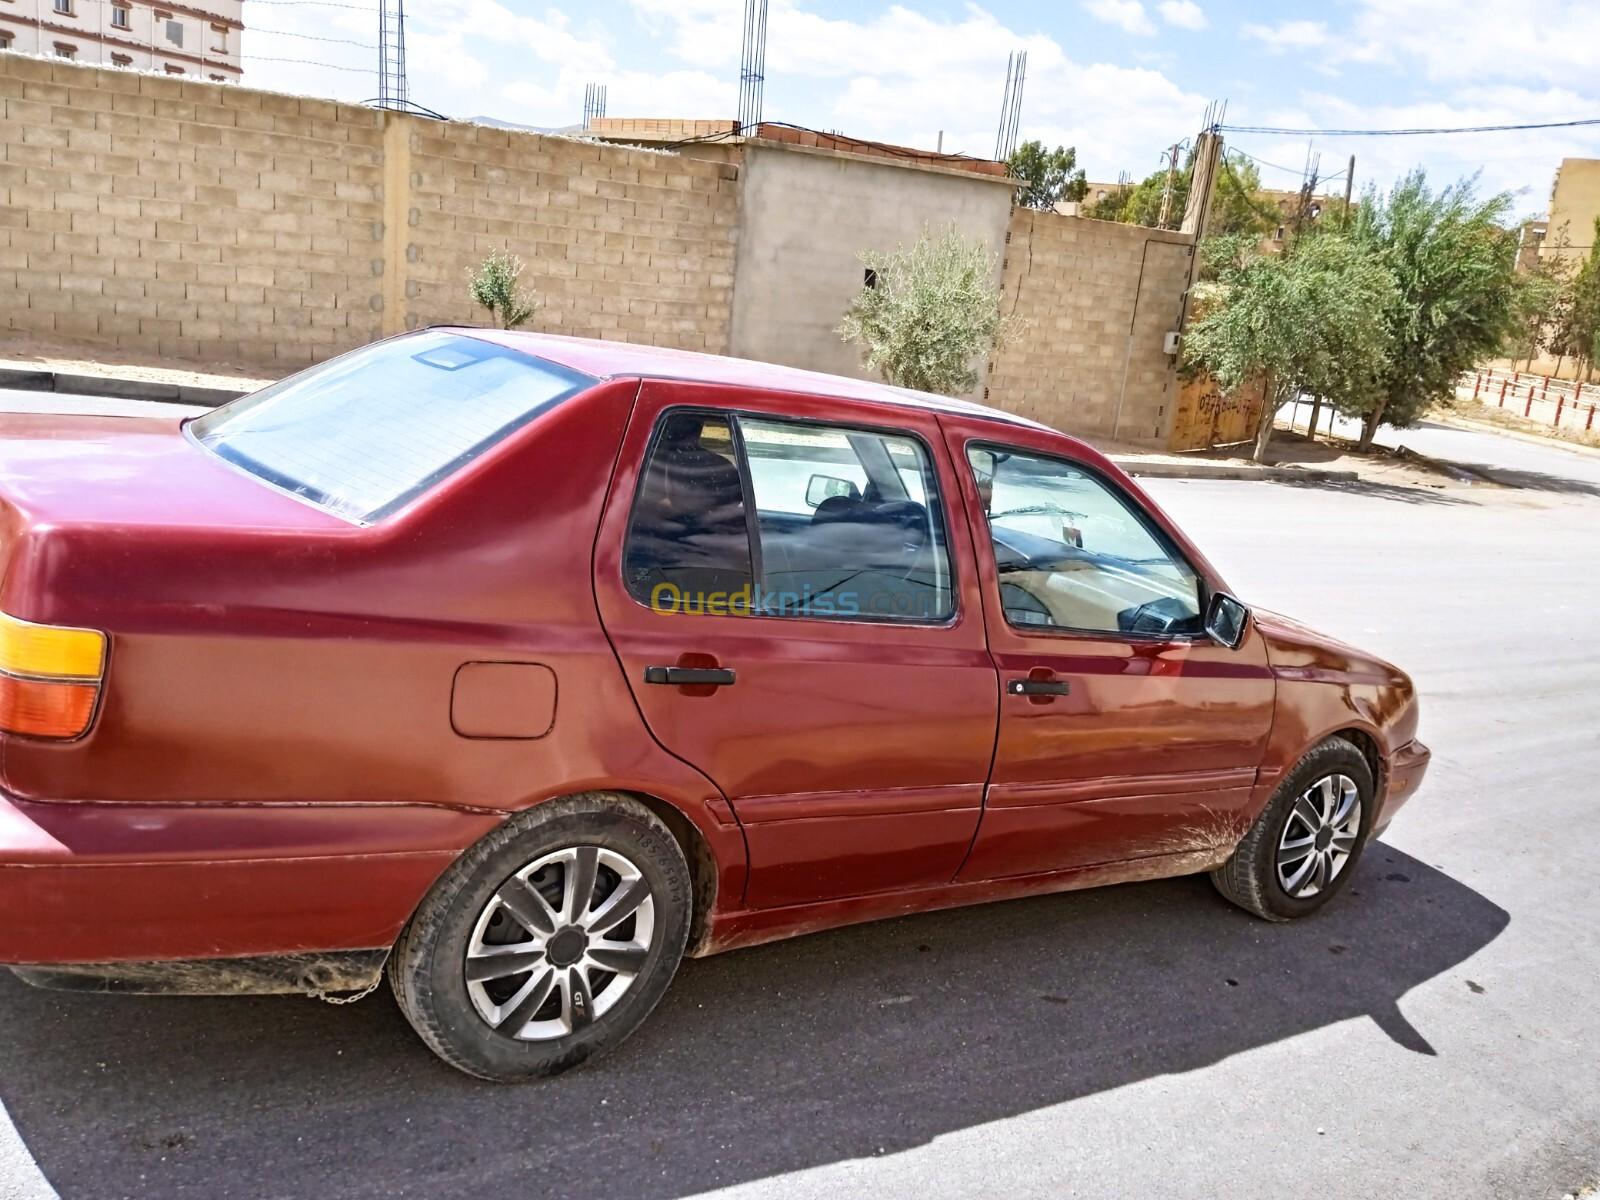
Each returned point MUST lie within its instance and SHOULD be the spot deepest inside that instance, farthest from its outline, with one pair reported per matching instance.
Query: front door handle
(690, 676)
(1039, 687)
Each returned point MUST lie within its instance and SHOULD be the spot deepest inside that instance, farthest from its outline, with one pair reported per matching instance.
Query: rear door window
(848, 522)
(749, 515)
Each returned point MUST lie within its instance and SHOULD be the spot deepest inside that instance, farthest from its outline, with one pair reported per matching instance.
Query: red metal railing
(1542, 398)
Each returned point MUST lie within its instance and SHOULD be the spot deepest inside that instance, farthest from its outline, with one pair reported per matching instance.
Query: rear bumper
(1407, 766)
(86, 882)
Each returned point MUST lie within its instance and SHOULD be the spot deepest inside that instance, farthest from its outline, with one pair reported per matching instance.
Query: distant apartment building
(1574, 205)
(200, 38)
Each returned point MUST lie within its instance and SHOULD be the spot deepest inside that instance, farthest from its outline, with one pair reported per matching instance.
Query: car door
(1124, 731)
(778, 577)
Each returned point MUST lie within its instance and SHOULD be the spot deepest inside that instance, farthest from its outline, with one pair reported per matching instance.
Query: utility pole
(1349, 184)
(1166, 192)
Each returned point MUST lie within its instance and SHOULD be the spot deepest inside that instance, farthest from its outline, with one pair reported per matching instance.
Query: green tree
(1579, 330)
(1543, 313)
(494, 286)
(1048, 176)
(927, 312)
(1307, 322)
(1455, 297)
(1236, 205)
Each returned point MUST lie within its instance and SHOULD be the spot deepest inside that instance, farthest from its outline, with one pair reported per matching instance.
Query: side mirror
(1225, 621)
(825, 487)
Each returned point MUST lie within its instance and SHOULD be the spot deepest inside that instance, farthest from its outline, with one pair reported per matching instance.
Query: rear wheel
(1304, 846)
(549, 941)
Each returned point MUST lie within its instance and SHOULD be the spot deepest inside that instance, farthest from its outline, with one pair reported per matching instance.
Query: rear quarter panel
(253, 667)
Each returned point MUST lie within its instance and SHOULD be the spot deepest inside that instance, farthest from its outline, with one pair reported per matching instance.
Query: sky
(1119, 80)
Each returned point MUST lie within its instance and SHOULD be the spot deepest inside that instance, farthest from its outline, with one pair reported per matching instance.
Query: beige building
(200, 38)
(1574, 205)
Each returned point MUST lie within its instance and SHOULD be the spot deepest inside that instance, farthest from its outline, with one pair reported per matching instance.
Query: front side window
(1073, 553)
(119, 16)
(362, 434)
(846, 522)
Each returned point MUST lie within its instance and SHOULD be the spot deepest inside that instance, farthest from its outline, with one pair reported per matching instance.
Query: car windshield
(362, 434)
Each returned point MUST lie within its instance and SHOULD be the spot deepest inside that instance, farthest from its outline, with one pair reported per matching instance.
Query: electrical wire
(319, 3)
(311, 37)
(1261, 162)
(1281, 132)
(306, 62)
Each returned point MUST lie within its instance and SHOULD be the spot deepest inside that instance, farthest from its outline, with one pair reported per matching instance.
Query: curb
(23, 379)
(1198, 470)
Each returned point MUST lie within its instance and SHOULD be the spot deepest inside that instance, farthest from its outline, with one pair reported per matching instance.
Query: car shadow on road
(840, 1045)
(1404, 493)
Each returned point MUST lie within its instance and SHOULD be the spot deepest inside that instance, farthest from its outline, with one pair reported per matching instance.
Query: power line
(311, 37)
(1282, 132)
(366, 8)
(1261, 162)
(306, 62)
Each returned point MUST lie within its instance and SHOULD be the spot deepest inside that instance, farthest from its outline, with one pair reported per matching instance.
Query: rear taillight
(49, 678)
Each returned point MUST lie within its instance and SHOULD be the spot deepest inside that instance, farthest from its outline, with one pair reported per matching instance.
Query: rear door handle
(689, 676)
(1039, 687)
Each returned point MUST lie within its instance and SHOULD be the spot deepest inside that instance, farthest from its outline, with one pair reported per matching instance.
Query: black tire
(1250, 878)
(428, 967)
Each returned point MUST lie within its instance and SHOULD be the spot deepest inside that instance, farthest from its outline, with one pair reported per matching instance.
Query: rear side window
(787, 519)
(688, 544)
(364, 433)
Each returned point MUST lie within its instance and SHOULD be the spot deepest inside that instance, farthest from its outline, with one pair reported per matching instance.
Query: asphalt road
(1433, 1033)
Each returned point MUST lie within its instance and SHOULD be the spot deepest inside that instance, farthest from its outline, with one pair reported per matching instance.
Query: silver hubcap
(1319, 837)
(560, 943)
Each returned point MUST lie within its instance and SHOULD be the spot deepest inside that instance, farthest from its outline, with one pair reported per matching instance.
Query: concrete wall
(808, 214)
(618, 243)
(1574, 205)
(1098, 299)
(212, 222)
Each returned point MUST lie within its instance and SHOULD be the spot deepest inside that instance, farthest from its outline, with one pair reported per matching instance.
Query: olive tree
(494, 286)
(1307, 322)
(1454, 300)
(928, 312)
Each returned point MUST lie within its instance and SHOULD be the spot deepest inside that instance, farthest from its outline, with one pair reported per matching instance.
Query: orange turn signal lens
(50, 651)
(40, 708)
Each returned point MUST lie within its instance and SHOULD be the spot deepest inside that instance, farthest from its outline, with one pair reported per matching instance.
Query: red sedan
(526, 666)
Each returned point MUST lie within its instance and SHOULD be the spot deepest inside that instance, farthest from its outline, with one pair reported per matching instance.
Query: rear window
(364, 433)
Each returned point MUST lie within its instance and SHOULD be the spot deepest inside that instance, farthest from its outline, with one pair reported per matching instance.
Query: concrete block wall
(216, 223)
(1098, 299)
(185, 218)
(616, 242)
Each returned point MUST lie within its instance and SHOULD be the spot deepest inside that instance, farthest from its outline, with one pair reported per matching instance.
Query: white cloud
(1520, 163)
(1128, 15)
(1288, 35)
(1548, 41)
(1185, 14)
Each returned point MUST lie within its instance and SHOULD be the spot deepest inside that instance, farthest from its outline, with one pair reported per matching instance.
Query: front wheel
(1304, 846)
(549, 941)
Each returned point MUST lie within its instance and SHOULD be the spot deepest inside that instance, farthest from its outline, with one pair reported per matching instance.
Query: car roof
(626, 360)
